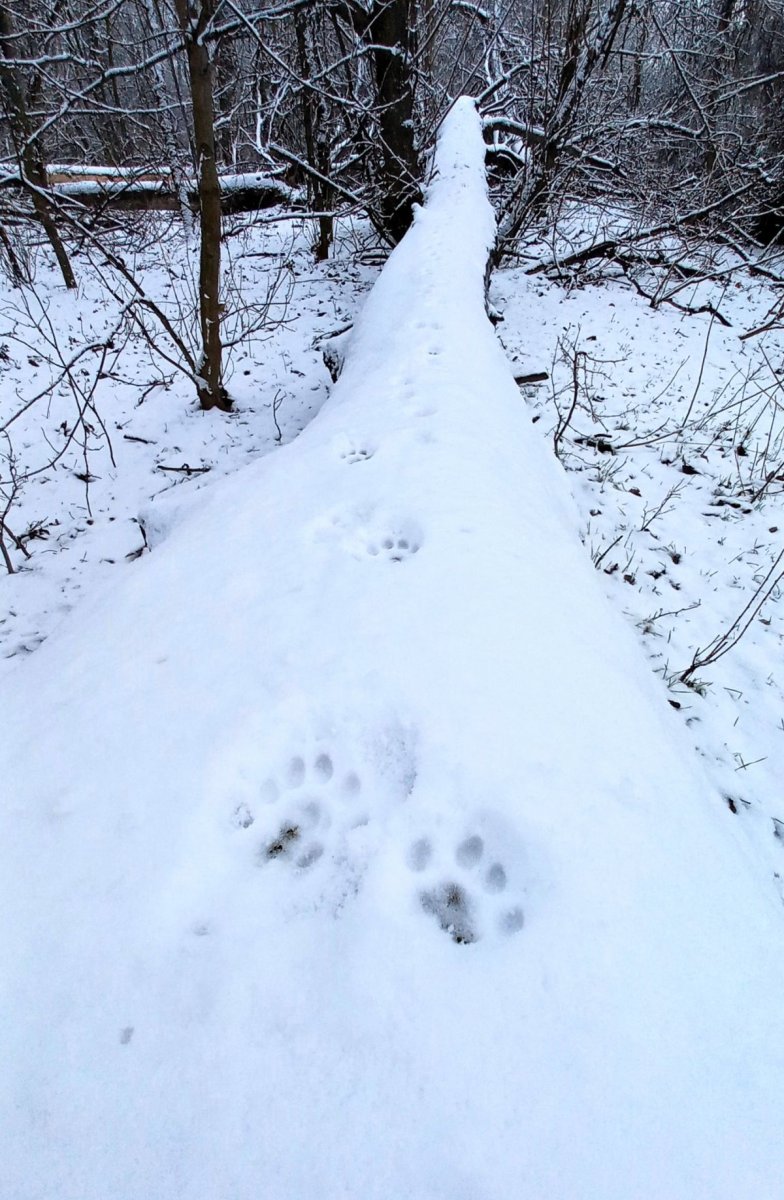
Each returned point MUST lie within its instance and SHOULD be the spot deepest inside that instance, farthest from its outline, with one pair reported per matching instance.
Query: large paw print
(297, 810)
(467, 896)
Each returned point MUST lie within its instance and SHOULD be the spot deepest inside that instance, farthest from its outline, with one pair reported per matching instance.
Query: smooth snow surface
(350, 848)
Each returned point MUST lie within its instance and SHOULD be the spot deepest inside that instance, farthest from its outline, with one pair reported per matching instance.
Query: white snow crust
(359, 854)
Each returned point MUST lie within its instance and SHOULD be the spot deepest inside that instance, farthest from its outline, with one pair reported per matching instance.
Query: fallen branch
(613, 248)
(185, 469)
(725, 641)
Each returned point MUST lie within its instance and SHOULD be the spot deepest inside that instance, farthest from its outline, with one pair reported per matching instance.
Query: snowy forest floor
(669, 426)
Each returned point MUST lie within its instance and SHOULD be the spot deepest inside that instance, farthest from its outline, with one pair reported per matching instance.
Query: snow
(107, 181)
(149, 425)
(256, 179)
(351, 848)
(681, 554)
(111, 187)
(91, 170)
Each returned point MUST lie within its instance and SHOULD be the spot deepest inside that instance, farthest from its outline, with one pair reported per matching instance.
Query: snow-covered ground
(675, 455)
(350, 846)
(149, 450)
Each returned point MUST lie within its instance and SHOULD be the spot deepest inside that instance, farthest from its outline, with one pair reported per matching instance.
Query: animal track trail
(301, 809)
(467, 889)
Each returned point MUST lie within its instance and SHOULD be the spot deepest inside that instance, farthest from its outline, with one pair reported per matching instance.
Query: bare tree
(195, 18)
(316, 130)
(27, 145)
(587, 40)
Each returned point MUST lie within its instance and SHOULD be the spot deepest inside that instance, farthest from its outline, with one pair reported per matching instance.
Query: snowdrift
(349, 848)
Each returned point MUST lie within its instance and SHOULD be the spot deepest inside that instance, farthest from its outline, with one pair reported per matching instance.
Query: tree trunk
(315, 123)
(715, 74)
(194, 17)
(14, 266)
(390, 30)
(32, 168)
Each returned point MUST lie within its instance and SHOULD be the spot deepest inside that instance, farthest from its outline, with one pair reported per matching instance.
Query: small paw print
(357, 455)
(393, 548)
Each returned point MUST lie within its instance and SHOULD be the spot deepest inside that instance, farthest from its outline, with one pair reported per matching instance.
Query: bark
(194, 17)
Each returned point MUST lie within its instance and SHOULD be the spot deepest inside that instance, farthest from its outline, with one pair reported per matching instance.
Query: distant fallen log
(135, 190)
(252, 190)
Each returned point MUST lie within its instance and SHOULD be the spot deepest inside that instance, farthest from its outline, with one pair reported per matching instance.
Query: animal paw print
(393, 547)
(357, 455)
(297, 807)
(469, 896)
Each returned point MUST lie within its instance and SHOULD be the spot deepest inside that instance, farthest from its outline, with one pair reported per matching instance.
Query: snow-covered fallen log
(124, 188)
(348, 847)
